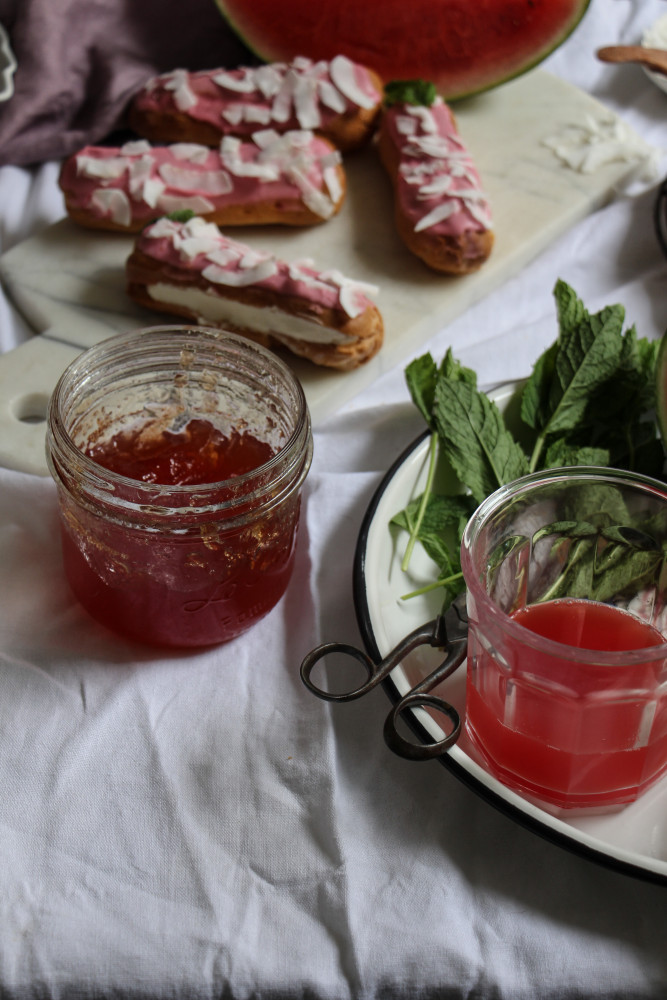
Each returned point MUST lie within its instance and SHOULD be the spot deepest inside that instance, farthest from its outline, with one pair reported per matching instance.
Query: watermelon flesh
(463, 46)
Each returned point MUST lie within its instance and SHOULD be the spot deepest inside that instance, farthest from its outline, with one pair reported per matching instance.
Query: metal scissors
(448, 631)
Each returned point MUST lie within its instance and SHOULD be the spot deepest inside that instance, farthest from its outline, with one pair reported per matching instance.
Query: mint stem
(442, 582)
(537, 451)
(433, 446)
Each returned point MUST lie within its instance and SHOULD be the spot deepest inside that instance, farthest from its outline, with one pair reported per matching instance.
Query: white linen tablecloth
(199, 825)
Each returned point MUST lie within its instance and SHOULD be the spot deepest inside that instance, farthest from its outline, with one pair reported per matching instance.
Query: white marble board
(69, 284)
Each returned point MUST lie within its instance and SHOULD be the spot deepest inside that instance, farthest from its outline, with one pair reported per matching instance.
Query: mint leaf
(453, 370)
(635, 446)
(590, 400)
(600, 572)
(629, 392)
(473, 436)
(421, 375)
(599, 504)
(410, 92)
(565, 529)
(441, 527)
(181, 215)
(625, 571)
(586, 353)
(576, 579)
(535, 405)
(561, 452)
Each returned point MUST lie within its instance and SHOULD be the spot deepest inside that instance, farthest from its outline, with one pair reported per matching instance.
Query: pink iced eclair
(294, 179)
(441, 212)
(190, 269)
(338, 99)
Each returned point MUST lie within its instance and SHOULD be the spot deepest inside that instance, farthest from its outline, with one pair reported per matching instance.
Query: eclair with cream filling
(190, 269)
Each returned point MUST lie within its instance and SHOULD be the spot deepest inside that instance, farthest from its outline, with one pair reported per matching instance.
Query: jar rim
(287, 459)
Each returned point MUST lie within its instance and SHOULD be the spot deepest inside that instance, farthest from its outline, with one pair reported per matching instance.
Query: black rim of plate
(362, 610)
(660, 217)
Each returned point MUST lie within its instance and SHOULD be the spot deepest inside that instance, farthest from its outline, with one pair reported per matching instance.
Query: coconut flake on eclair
(301, 94)
(440, 187)
(138, 181)
(200, 248)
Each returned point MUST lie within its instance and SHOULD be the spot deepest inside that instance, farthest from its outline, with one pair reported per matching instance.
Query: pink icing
(283, 96)
(196, 247)
(438, 186)
(140, 182)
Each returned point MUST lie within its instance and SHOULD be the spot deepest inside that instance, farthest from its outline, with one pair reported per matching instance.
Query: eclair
(440, 209)
(339, 99)
(190, 269)
(294, 179)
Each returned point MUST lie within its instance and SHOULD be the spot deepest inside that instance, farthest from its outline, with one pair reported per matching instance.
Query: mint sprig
(410, 92)
(589, 401)
(587, 353)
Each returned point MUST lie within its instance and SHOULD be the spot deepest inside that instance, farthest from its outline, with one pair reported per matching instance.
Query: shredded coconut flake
(256, 114)
(213, 182)
(184, 97)
(136, 147)
(239, 279)
(265, 137)
(233, 114)
(305, 103)
(223, 256)
(594, 143)
(438, 214)
(108, 168)
(113, 203)
(333, 184)
(151, 190)
(330, 97)
(193, 152)
(313, 197)
(343, 74)
(241, 83)
(162, 228)
(176, 203)
(426, 119)
(268, 80)
(190, 247)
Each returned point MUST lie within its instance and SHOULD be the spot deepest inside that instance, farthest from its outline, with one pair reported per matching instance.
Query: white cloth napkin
(200, 825)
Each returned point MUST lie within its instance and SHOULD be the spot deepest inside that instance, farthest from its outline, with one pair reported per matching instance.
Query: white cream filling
(212, 308)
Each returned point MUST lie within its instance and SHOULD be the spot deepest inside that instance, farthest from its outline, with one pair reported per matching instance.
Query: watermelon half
(463, 46)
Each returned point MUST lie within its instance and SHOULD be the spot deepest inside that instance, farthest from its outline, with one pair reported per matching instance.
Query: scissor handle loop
(412, 751)
(320, 652)
(376, 672)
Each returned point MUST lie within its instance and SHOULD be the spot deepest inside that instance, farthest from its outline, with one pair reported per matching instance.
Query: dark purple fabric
(80, 61)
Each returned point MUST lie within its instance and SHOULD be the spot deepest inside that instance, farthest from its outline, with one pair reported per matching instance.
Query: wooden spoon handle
(655, 59)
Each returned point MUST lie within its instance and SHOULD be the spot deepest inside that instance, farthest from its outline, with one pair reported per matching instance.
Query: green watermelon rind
(538, 58)
(252, 41)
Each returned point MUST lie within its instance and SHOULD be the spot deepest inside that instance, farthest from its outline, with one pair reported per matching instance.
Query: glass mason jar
(178, 565)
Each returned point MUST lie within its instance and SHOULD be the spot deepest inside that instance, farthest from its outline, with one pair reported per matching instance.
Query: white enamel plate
(633, 839)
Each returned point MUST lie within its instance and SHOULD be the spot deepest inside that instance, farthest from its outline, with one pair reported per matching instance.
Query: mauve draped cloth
(80, 61)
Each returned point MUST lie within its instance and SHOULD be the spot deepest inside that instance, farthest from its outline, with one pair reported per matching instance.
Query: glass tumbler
(178, 565)
(566, 698)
